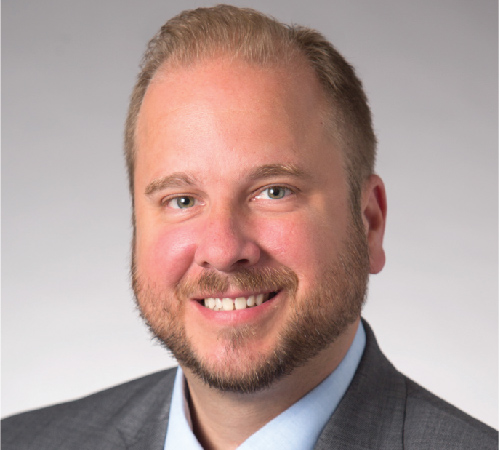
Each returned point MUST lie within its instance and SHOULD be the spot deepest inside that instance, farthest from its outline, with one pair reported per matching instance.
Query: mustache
(264, 279)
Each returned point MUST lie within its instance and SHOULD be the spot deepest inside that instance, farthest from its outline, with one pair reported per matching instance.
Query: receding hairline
(297, 60)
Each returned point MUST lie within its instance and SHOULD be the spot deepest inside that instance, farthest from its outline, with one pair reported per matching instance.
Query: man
(257, 219)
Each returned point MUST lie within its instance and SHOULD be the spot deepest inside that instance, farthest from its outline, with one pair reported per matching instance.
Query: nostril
(224, 253)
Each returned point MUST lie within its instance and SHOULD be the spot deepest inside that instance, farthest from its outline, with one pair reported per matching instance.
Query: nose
(224, 244)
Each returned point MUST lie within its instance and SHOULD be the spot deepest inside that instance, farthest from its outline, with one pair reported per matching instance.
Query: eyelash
(167, 201)
(289, 191)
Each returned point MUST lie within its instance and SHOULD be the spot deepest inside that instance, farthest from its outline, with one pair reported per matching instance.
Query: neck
(224, 420)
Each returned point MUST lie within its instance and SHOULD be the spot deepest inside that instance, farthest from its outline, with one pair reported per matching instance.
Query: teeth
(227, 304)
(240, 303)
(230, 304)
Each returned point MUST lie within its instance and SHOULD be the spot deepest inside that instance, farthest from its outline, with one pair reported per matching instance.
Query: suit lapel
(371, 413)
(152, 435)
(143, 424)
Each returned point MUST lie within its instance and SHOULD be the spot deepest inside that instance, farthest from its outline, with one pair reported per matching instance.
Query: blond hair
(256, 38)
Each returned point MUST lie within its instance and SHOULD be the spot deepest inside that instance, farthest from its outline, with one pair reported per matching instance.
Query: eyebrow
(273, 170)
(176, 179)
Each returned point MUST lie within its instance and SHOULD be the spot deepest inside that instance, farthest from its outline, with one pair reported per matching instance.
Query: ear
(374, 212)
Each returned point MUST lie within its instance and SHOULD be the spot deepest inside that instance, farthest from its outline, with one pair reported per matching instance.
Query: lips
(231, 304)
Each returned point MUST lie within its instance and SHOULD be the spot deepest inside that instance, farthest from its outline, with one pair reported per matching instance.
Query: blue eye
(182, 202)
(275, 192)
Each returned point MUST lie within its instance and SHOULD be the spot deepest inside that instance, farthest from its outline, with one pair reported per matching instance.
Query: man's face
(241, 197)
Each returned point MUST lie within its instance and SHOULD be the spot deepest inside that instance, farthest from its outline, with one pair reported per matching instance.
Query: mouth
(231, 304)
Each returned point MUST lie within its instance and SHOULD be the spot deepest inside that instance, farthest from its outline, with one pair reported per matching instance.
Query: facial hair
(315, 321)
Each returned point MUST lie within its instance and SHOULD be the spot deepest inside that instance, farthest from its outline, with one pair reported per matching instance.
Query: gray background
(69, 326)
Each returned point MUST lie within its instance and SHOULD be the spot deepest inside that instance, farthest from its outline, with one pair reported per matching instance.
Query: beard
(315, 320)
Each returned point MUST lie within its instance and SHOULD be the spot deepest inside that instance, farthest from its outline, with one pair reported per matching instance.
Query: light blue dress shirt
(297, 428)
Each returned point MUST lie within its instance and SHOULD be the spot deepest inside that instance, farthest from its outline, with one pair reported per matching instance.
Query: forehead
(227, 107)
(284, 92)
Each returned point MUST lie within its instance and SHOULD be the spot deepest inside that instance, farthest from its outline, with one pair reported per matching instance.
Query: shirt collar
(296, 428)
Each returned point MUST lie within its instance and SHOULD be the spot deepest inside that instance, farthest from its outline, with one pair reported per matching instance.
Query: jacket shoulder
(95, 421)
(430, 422)
(383, 409)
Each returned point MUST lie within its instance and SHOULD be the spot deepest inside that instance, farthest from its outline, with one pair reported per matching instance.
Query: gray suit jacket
(382, 409)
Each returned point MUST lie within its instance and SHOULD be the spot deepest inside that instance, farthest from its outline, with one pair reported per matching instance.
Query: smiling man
(257, 220)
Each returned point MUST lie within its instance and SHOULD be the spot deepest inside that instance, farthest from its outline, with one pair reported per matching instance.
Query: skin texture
(215, 136)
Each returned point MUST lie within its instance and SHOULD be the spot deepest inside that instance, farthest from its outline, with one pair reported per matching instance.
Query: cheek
(306, 243)
(167, 256)
(296, 243)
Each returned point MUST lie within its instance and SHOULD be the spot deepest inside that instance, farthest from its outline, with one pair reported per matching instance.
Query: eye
(181, 202)
(274, 193)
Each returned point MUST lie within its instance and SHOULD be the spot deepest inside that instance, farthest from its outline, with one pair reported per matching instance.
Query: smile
(230, 304)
